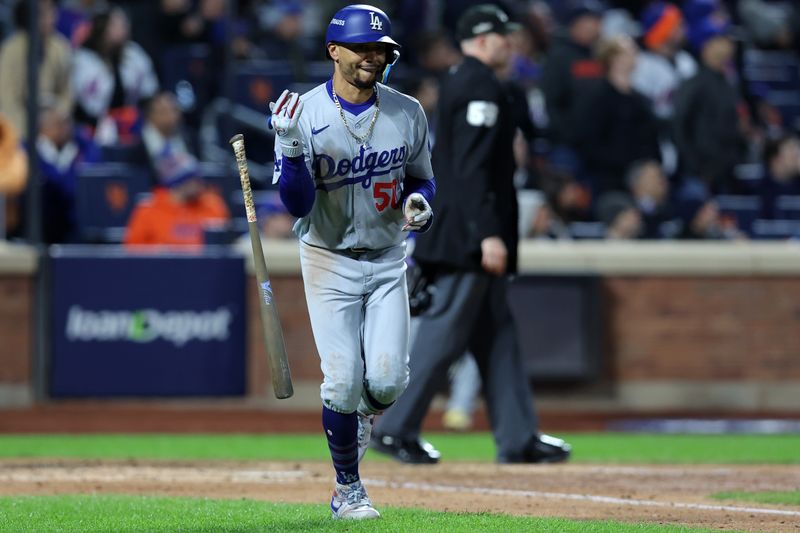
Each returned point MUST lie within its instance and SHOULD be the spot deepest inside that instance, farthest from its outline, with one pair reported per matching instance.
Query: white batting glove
(417, 211)
(285, 114)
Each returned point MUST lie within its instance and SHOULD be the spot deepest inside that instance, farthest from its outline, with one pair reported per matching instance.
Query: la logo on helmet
(375, 21)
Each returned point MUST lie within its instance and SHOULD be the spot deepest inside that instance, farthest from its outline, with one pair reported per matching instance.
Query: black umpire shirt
(473, 161)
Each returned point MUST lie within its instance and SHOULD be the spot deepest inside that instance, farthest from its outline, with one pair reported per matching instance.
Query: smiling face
(360, 65)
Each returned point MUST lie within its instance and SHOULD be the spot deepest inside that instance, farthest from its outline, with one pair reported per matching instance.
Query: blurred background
(658, 174)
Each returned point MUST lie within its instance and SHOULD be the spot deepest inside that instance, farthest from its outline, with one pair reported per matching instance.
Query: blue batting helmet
(360, 23)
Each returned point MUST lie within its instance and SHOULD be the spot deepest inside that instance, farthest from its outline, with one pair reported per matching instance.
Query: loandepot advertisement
(147, 325)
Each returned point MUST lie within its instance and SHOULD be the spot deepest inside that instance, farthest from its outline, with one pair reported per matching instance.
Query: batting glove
(417, 211)
(285, 114)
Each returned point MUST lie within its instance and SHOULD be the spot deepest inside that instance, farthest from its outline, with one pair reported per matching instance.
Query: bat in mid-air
(273, 334)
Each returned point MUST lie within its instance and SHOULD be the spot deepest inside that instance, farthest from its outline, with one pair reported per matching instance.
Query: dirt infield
(676, 495)
(653, 494)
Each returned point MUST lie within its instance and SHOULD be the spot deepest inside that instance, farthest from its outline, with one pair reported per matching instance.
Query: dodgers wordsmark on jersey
(359, 188)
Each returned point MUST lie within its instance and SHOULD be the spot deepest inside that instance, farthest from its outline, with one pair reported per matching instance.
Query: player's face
(360, 64)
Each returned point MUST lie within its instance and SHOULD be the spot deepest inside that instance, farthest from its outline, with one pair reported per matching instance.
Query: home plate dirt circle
(678, 495)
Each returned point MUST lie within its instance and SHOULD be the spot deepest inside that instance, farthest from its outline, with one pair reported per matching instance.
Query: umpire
(468, 254)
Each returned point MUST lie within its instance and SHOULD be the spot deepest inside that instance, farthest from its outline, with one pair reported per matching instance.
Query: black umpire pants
(469, 311)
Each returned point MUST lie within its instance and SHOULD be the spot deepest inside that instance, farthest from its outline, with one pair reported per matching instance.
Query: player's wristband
(291, 147)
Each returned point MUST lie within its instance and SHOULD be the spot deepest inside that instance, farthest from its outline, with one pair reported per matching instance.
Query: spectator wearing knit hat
(662, 67)
(180, 209)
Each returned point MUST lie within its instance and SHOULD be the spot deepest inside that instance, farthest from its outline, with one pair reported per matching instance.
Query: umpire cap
(482, 19)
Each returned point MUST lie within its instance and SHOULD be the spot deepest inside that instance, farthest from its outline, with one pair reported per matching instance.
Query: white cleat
(365, 423)
(350, 502)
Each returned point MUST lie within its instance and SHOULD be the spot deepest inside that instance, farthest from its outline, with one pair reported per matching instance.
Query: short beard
(365, 84)
(360, 84)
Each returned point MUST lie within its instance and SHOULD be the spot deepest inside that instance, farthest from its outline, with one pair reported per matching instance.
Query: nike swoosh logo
(314, 131)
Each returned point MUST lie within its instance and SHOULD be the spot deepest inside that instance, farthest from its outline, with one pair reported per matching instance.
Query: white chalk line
(273, 476)
(576, 497)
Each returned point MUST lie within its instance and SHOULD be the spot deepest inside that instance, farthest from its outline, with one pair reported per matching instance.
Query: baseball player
(352, 160)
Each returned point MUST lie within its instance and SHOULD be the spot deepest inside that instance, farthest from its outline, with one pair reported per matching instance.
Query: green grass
(127, 514)
(618, 448)
(791, 497)
(106, 513)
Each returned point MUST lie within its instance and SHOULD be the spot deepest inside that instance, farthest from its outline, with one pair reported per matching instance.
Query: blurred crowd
(638, 119)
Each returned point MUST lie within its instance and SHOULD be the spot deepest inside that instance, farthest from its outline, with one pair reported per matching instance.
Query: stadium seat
(742, 209)
(587, 230)
(748, 177)
(105, 196)
(773, 74)
(776, 229)
(256, 83)
(134, 154)
(787, 207)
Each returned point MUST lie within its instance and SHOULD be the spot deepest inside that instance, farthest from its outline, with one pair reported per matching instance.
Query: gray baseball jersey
(358, 188)
(357, 300)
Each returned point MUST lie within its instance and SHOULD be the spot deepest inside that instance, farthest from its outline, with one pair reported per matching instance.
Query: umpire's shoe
(541, 449)
(414, 451)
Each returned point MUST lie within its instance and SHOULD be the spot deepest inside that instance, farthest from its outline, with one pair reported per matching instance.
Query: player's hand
(494, 255)
(417, 211)
(285, 114)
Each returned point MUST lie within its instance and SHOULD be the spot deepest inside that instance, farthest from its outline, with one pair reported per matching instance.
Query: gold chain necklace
(361, 140)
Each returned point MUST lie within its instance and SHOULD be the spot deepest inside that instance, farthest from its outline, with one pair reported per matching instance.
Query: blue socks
(342, 433)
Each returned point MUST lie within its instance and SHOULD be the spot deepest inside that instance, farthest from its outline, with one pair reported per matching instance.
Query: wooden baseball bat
(273, 334)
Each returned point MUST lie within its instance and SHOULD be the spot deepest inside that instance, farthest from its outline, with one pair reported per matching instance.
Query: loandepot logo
(148, 325)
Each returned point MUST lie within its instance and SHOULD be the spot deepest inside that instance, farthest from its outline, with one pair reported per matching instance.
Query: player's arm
(418, 192)
(295, 185)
